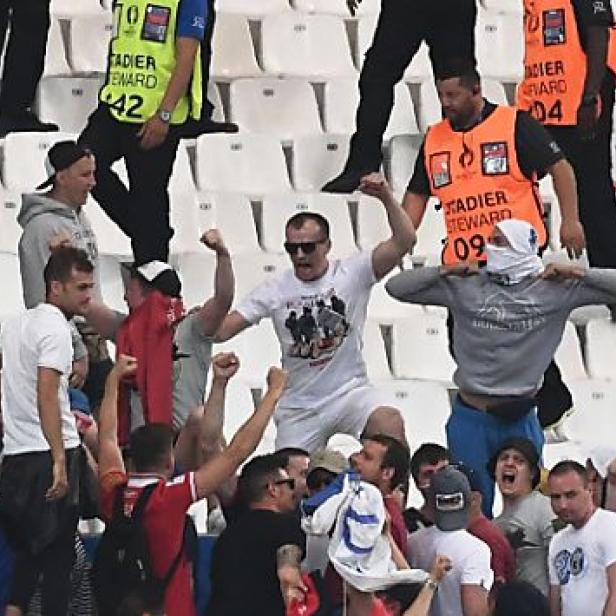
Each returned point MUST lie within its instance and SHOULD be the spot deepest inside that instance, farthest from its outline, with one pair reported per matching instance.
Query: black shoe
(191, 129)
(346, 182)
(22, 122)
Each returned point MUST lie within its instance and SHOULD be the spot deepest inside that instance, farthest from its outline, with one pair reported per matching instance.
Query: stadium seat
(233, 53)
(281, 108)
(213, 94)
(430, 235)
(384, 309)
(23, 165)
(504, 6)
(231, 213)
(420, 348)
(375, 354)
(89, 42)
(10, 230)
(247, 163)
(336, 7)
(68, 101)
(500, 45)
(55, 56)
(297, 45)
(251, 269)
(239, 406)
(593, 421)
(66, 9)
(252, 8)
(568, 355)
(403, 151)
(600, 346)
(342, 99)
(111, 241)
(112, 285)
(196, 271)
(316, 159)
(278, 208)
(12, 296)
(425, 408)
(430, 106)
(371, 224)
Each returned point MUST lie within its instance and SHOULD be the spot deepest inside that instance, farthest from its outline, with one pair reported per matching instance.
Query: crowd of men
(305, 529)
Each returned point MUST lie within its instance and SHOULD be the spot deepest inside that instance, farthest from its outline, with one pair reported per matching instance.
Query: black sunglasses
(290, 482)
(307, 247)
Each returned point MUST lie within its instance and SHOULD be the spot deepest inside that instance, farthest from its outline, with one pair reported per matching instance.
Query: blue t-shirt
(192, 16)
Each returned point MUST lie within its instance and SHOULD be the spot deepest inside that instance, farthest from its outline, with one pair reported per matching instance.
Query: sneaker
(191, 129)
(24, 121)
(346, 182)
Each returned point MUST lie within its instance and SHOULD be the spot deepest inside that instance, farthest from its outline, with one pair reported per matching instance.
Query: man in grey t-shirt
(508, 322)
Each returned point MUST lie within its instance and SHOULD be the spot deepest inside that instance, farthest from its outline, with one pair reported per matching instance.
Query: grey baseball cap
(449, 496)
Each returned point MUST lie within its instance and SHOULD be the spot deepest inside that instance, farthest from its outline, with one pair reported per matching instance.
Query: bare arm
(216, 308)
(48, 383)
(554, 600)
(288, 559)
(388, 253)
(610, 604)
(474, 600)
(421, 605)
(214, 472)
(103, 319)
(231, 325)
(415, 207)
(571, 230)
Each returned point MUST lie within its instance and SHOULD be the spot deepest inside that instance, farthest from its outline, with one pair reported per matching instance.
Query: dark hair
(149, 446)
(428, 453)
(403, 594)
(461, 68)
(570, 466)
(297, 221)
(397, 456)
(285, 454)
(61, 264)
(516, 598)
(256, 475)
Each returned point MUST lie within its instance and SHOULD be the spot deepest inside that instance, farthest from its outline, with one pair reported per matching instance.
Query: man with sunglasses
(319, 309)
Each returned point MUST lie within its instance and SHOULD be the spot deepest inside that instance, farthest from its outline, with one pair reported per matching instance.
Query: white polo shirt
(37, 338)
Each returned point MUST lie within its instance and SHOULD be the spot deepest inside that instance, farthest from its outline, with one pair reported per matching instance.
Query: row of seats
(323, 46)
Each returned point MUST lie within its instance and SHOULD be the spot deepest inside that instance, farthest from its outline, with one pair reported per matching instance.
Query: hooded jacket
(42, 218)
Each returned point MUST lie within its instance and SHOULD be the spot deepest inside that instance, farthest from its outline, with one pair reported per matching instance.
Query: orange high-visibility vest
(477, 178)
(554, 62)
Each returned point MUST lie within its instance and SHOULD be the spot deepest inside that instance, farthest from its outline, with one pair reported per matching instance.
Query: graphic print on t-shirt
(317, 324)
(569, 564)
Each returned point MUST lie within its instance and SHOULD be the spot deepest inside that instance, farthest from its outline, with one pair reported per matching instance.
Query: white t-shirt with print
(470, 559)
(37, 338)
(319, 325)
(578, 559)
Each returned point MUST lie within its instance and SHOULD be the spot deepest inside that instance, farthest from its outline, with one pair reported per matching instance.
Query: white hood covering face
(511, 264)
(358, 549)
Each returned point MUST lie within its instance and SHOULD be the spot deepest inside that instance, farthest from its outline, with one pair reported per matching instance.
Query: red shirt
(503, 560)
(163, 519)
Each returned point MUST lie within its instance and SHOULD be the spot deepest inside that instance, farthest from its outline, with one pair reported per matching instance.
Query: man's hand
(225, 365)
(440, 567)
(462, 269)
(353, 4)
(153, 133)
(212, 239)
(291, 584)
(375, 185)
(59, 240)
(276, 381)
(125, 366)
(59, 487)
(587, 116)
(562, 270)
(80, 373)
(572, 238)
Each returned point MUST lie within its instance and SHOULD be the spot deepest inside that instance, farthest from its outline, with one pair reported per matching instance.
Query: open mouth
(508, 478)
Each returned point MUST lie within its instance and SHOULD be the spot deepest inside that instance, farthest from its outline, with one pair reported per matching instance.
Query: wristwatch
(432, 584)
(164, 116)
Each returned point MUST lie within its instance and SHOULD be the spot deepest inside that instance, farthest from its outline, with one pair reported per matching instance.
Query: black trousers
(592, 164)
(141, 210)
(25, 53)
(447, 26)
(206, 58)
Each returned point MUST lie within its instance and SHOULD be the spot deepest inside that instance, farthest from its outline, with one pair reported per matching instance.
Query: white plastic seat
(252, 8)
(196, 271)
(251, 269)
(420, 348)
(12, 295)
(342, 99)
(375, 354)
(425, 408)
(317, 159)
(112, 285)
(593, 421)
(247, 163)
(568, 355)
(231, 213)
(430, 106)
(600, 348)
(384, 309)
(298, 45)
(111, 241)
(278, 208)
(55, 56)
(239, 406)
(89, 37)
(233, 53)
(10, 230)
(23, 166)
(430, 234)
(67, 9)
(371, 222)
(403, 151)
(68, 101)
(504, 6)
(281, 108)
(213, 94)
(500, 45)
(336, 7)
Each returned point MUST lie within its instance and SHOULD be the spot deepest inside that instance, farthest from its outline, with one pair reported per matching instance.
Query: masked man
(508, 319)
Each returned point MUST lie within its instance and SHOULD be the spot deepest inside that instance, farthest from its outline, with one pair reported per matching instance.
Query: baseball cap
(449, 496)
(61, 156)
(160, 275)
(329, 460)
(527, 449)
